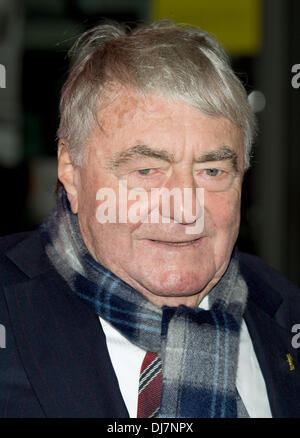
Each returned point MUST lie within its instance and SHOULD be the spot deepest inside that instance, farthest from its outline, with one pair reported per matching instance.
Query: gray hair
(177, 62)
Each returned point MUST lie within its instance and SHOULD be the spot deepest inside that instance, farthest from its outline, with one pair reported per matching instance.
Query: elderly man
(124, 305)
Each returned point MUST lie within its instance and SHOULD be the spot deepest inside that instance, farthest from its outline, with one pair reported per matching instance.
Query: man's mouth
(189, 242)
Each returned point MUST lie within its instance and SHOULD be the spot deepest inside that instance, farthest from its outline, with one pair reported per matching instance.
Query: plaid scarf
(198, 348)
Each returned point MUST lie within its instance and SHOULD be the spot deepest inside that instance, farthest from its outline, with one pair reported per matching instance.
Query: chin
(176, 284)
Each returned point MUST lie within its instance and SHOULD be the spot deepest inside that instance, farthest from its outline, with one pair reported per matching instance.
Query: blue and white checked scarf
(198, 348)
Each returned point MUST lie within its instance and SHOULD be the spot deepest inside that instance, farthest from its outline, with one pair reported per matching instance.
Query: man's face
(150, 142)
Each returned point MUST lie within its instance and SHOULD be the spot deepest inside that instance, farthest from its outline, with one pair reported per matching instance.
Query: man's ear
(68, 174)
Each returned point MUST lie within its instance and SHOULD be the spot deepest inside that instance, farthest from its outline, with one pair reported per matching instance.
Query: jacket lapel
(61, 343)
(269, 326)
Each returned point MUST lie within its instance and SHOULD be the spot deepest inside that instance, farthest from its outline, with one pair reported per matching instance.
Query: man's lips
(176, 243)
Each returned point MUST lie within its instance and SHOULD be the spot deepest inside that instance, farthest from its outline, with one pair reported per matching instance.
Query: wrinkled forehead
(127, 105)
(131, 117)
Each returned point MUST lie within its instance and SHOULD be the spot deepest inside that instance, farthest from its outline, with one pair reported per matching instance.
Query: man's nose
(182, 201)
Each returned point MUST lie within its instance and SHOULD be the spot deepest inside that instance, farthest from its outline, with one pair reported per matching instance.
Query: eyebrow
(140, 151)
(220, 154)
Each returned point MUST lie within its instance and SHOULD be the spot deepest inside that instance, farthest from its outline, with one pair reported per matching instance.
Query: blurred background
(263, 40)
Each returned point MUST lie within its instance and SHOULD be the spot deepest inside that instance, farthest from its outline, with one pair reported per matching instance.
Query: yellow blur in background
(236, 23)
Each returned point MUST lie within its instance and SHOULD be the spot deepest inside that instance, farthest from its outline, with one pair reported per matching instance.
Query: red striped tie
(149, 386)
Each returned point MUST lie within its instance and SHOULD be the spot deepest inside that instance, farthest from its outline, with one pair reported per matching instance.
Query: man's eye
(144, 171)
(212, 172)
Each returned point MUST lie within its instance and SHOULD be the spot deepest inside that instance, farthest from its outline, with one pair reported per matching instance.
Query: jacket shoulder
(268, 288)
(258, 271)
(8, 242)
(22, 254)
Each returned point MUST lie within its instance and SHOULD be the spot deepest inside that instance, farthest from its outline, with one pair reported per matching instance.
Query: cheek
(92, 178)
(223, 210)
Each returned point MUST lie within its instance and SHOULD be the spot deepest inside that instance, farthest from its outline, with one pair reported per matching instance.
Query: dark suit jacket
(56, 362)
